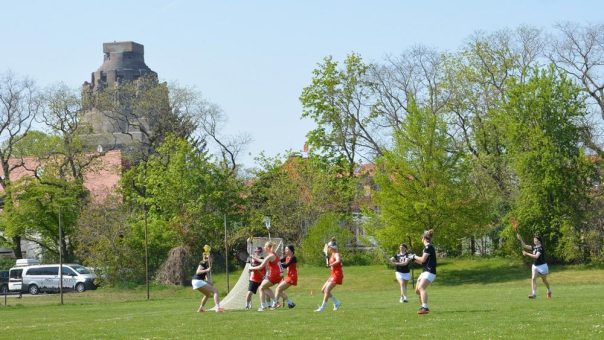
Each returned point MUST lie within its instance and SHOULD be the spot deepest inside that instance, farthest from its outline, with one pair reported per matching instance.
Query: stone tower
(105, 127)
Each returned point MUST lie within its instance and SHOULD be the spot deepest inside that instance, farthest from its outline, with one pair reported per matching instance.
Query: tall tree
(542, 121)
(422, 185)
(338, 101)
(19, 105)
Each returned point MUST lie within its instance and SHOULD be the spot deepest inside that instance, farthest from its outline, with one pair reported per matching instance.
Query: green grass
(478, 299)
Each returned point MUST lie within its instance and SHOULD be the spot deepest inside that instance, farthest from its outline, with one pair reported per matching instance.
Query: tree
(579, 52)
(186, 196)
(296, 191)
(422, 185)
(104, 241)
(19, 105)
(338, 101)
(36, 209)
(542, 121)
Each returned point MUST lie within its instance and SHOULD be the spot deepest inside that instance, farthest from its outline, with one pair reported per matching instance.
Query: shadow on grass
(453, 273)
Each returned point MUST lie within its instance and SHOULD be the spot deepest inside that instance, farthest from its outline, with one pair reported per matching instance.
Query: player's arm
(200, 270)
(264, 262)
(531, 255)
(421, 259)
(524, 245)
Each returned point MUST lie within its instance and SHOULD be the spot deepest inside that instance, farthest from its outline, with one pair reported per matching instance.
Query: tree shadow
(481, 273)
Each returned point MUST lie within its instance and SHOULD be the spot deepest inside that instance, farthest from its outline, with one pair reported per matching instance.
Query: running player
(402, 260)
(273, 277)
(336, 277)
(204, 287)
(428, 262)
(290, 262)
(256, 277)
(539, 267)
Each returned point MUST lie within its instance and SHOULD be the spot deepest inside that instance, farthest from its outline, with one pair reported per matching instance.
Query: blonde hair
(270, 245)
(428, 234)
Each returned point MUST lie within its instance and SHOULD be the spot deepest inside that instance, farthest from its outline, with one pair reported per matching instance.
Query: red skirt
(291, 280)
(337, 279)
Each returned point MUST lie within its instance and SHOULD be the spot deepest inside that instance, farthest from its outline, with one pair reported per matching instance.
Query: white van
(45, 278)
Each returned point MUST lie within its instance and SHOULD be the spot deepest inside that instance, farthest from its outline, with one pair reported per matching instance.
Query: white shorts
(541, 269)
(403, 276)
(427, 275)
(198, 284)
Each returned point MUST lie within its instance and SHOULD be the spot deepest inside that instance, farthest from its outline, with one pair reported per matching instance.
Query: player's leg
(204, 299)
(210, 290)
(405, 290)
(421, 289)
(534, 274)
(326, 289)
(262, 294)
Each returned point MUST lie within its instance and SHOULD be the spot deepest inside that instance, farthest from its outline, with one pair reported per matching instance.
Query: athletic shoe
(261, 309)
(423, 310)
(201, 310)
(320, 309)
(219, 310)
(405, 301)
(337, 305)
(291, 305)
(275, 306)
(532, 296)
(549, 295)
(401, 300)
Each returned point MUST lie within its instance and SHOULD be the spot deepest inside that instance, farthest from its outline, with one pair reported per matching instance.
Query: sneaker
(405, 300)
(201, 310)
(320, 309)
(275, 306)
(219, 310)
(549, 295)
(291, 305)
(261, 309)
(401, 300)
(423, 310)
(337, 305)
(532, 296)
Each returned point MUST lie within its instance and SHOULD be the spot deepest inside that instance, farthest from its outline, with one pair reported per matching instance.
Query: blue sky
(251, 57)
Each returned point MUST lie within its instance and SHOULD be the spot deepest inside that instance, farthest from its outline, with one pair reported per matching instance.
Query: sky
(252, 58)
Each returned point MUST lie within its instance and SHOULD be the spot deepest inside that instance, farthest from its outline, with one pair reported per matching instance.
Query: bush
(327, 226)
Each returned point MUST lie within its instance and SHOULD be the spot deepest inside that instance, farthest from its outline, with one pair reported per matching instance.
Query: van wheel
(80, 287)
(34, 290)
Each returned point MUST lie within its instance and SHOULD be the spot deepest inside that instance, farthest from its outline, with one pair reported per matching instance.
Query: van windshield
(81, 269)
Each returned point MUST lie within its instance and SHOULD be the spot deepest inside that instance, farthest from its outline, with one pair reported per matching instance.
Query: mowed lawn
(477, 299)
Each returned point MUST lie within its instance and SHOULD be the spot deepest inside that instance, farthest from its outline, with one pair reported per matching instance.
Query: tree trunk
(17, 247)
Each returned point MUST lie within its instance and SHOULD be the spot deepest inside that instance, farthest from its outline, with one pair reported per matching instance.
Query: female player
(539, 267)
(402, 260)
(336, 277)
(256, 277)
(289, 262)
(428, 262)
(204, 287)
(273, 277)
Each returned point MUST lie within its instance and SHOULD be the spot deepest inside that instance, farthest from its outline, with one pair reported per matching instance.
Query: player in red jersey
(290, 262)
(256, 277)
(336, 277)
(273, 277)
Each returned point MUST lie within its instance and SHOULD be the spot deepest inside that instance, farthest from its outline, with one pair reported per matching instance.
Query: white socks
(425, 305)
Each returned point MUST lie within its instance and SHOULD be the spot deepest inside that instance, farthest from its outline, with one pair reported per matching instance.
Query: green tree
(186, 196)
(35, 211)
(543, 121)
(423, 185)
(338, 101)
(326, 226)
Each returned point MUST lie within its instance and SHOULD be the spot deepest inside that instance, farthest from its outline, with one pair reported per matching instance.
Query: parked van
(45, 278)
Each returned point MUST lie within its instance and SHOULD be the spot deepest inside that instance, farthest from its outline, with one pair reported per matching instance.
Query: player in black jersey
(428, 262)
(402, 260)
(539, 267)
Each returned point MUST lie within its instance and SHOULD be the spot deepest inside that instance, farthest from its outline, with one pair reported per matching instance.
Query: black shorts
(253, 286)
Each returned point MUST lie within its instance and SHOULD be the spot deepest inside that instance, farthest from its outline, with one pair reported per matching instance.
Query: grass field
(477, 299)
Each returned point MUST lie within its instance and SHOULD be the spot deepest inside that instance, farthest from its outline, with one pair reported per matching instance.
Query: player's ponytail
(428, 234)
